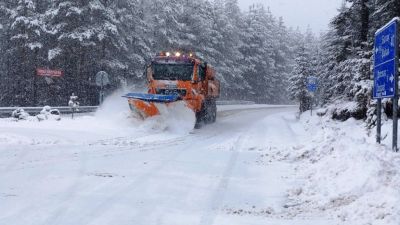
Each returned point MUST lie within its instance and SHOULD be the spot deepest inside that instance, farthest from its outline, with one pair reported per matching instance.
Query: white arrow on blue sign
(385, 65)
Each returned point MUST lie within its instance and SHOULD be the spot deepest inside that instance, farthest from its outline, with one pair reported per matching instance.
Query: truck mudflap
(145, 105)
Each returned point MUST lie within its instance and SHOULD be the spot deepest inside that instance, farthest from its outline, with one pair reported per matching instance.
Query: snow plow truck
(173, 77)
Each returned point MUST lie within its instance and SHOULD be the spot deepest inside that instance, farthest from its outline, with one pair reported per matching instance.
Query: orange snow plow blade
(144, 109)
(145, 106)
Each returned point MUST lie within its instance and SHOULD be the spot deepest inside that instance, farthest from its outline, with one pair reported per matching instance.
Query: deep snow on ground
(346, 174)
(256, 165)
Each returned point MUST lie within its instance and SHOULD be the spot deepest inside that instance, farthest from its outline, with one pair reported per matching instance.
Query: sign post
(312, 88)
(378, 120)
(386, 73)
(101, 81)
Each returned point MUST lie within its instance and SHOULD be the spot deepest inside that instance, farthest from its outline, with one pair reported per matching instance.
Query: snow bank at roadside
(346, 174)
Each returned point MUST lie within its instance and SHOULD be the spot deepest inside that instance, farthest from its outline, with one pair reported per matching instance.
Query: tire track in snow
(31, 209)
(104, 206)
(60, 214)
(71, 192)
(65, 204)
(217, 197)
(77, 186)
(207, 133)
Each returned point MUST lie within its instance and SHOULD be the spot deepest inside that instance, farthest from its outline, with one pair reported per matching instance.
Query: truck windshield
(165, 71)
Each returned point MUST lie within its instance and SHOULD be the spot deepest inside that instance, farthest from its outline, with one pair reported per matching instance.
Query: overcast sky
(301, 13)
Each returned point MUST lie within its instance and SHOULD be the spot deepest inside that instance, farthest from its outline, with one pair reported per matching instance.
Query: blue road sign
(385, 64)
(384, 78)
(312, 84)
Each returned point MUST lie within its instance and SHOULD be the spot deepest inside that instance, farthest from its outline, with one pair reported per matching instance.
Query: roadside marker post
(386, 66)
(73, 103)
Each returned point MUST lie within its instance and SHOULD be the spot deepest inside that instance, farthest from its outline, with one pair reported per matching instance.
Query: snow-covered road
(98, 170)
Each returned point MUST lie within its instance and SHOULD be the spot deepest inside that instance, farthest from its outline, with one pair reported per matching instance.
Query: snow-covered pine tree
(284, 61)
(311, 44)
(197, 34)
(88, 39)
(25, 36)
(225, 39)
(345, 62)
(273, 77)
(134, 31)
(384, 11)
(257, 51)
(3, 69)
(361, 84)
(232, 32)
(336, 45)
(326, 67)
(360, 10)
(298, 80)
(165, 26)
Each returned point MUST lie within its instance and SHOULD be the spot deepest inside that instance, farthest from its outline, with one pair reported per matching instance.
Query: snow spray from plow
(162, 111)
(175, 119)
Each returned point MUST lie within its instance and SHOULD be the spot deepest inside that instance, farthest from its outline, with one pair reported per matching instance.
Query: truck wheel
(211, 111)
(201, 116)
(207, 114)
(214, 112)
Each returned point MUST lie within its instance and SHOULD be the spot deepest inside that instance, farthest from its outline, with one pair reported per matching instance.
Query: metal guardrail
(6, 111)
(235, 102)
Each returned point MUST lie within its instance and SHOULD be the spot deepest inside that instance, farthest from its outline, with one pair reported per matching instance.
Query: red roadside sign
(49, 73)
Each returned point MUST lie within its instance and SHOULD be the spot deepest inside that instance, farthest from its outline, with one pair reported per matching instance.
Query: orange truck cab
(178, 77)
